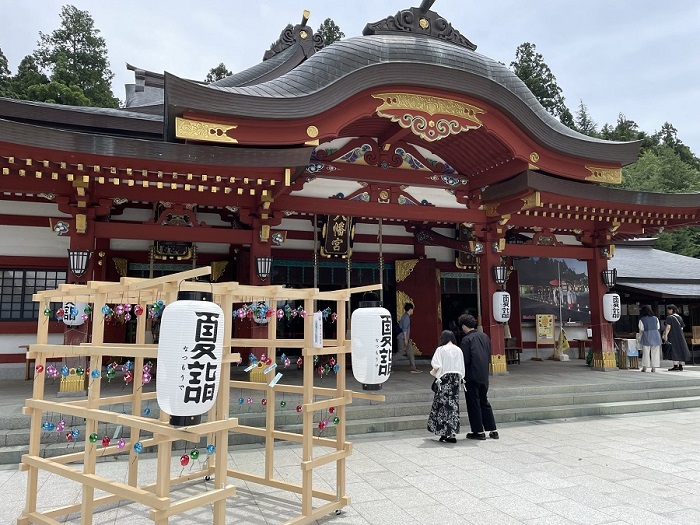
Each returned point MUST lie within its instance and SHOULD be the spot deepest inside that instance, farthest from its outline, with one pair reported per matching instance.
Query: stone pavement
(634, 469)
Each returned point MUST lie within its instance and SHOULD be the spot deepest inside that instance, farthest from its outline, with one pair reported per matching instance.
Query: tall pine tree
(531, 68)
(330, 32)
(5, 90)
(76, 57)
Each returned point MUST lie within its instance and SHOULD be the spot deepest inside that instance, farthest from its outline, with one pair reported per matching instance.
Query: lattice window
(18, 286)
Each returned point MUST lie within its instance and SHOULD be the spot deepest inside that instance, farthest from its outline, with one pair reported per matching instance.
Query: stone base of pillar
(498, 365)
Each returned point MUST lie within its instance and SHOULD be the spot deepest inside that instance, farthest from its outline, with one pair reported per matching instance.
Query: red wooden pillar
(494, 330)
(82, 242)
(258, 249)
(82, 239)
(602, 342)
(513, 288)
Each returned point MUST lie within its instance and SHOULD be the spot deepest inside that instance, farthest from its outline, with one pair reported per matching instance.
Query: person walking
(650, 331)
(673, 332)
(405, 344)
(476, 349)
(448, 369)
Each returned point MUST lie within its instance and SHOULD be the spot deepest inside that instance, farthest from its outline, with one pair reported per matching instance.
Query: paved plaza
(629, 469)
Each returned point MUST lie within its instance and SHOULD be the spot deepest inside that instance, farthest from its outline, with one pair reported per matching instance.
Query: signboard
(337, 234)
(318, 330)
(544, 323)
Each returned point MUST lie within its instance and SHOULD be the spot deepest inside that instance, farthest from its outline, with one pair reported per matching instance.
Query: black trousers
(478, 408)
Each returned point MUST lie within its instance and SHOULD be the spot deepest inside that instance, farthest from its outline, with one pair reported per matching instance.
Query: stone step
(16, 431)
(401, 411)
(394, 424)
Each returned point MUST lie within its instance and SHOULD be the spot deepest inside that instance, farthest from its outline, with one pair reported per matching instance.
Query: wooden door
(418, 282)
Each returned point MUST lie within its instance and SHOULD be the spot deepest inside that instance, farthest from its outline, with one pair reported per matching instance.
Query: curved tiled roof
(348, 66)
(264, 69)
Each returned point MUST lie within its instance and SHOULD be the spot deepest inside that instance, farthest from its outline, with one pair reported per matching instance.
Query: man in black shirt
(476, 348)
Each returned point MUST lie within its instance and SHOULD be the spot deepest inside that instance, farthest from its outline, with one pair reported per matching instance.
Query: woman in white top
(650, 339)
(448, 369)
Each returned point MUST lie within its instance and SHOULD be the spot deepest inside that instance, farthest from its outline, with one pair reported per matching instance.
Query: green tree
(685, 241)
(28, 75)
(666, 165)
(5, 81)
(76, 57)
(668, 136)
(583, 123)
(662, 170)
(217, 73)
(330, 32)
(531, 68)
(58, 93)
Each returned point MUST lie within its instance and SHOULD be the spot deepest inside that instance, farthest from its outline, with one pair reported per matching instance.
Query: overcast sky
(636, 57)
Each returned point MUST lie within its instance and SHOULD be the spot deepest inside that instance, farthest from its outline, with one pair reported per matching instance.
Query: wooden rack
(160, 497)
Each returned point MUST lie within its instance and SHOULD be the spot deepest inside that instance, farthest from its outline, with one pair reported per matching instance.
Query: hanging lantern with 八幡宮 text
(501, 307)
(611, 307)
(189, 357)
(73, 313)
(371, 346)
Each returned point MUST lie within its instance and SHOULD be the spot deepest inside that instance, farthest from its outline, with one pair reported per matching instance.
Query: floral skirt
(444, 414)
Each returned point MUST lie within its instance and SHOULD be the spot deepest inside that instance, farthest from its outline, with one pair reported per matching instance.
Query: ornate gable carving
(299, 33)
(420, 21)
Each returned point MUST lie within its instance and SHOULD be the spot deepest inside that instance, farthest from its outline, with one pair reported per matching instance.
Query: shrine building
(401, 157)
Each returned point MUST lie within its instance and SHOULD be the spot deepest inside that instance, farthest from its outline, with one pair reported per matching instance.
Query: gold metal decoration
(534, 157)
(80, 223)
(264, 233)
(430, 118)
(609, 175)
(217, 269)
(403, 269)
(608, 252)
(424, 23)
(204, 131)
(533, 200)
(121, 265)
(401, 299)
(312, 132)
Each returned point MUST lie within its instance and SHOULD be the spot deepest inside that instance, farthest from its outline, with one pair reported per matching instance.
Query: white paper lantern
(501, 307)
(73, 313)
(371, 346)
(189, 359)
(611, 307)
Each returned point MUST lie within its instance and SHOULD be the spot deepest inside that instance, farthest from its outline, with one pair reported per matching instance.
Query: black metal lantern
(500, 274)
(78, 261)
(610, 277)
(263, 265)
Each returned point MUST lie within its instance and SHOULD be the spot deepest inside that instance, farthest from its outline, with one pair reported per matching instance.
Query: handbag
(666, 351)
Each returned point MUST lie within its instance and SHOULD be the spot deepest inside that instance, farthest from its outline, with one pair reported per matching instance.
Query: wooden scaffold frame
(218, 426)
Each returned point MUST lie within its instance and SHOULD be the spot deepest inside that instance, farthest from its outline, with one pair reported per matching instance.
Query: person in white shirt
(448, 370)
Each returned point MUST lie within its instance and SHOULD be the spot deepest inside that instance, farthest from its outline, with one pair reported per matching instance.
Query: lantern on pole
(501, 307)
(611, 301)
(371, 347)
(611, 307)
(189, 357)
